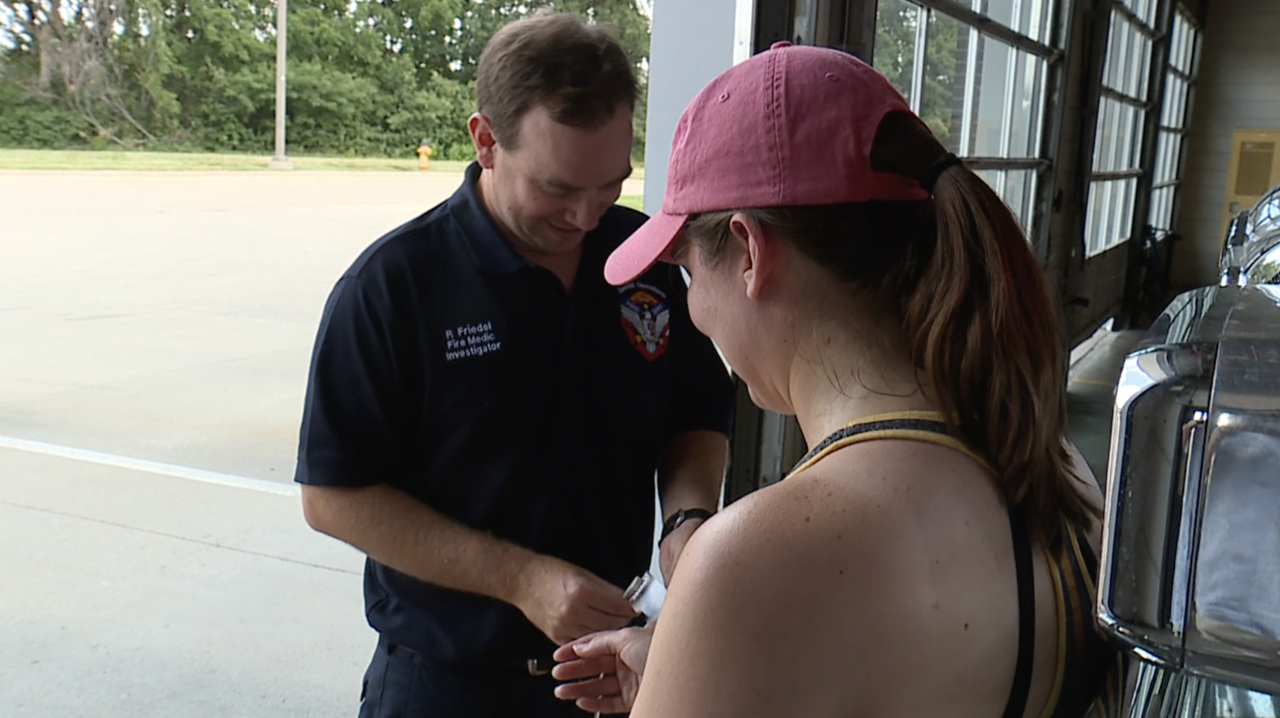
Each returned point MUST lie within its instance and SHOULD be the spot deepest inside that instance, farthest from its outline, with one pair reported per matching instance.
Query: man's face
(547, 194)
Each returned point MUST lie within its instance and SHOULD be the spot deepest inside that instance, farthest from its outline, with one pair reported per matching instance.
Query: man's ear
(759, 253)
(483, 138)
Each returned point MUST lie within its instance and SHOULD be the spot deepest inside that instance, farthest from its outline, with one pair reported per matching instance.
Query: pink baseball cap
(790, 126)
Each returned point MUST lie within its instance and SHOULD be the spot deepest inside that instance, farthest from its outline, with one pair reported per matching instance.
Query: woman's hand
(604, 669)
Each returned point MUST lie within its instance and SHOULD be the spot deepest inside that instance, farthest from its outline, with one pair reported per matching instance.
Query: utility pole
(280, 161)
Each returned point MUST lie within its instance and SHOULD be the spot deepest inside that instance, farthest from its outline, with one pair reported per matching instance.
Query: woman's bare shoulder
(813, 540)
(811, 567)
(771, 570)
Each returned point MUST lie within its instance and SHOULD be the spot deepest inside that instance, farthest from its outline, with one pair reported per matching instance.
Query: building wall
(1238, 88)
(691, 43)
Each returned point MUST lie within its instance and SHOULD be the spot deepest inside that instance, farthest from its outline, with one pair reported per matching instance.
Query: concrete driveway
(155, 330)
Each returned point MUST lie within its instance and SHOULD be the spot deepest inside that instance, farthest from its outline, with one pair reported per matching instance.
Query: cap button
(780, 44)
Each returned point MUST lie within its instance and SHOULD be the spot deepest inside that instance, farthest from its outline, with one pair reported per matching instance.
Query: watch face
(670, 524)
(679, 517)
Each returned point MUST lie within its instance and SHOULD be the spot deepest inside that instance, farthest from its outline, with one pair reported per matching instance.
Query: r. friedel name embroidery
(470, 340)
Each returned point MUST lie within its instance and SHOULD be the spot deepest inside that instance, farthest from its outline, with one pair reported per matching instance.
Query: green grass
(11, 159)
(634, 201)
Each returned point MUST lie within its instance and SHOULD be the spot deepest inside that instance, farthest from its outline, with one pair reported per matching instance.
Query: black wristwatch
(679, 517)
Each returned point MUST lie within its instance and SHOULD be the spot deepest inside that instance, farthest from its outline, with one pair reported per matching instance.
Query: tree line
(365, 77)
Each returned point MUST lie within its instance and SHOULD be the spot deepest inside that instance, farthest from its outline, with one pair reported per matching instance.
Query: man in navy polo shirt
(485, 414)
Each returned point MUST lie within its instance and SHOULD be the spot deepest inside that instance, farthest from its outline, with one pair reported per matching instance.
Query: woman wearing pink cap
(933, 554)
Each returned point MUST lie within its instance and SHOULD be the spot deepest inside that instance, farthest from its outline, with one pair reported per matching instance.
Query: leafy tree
(38, 122)
(941, 103)
(96, 58)
(897, 25)
(895, 46)
(365, 76)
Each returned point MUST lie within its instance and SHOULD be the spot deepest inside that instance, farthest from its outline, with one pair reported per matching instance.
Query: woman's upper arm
(738, 635)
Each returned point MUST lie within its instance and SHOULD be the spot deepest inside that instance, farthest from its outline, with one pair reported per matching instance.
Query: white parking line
(150, 467)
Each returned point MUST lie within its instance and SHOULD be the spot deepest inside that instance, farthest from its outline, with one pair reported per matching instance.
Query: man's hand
(613, 664)
(566, 602)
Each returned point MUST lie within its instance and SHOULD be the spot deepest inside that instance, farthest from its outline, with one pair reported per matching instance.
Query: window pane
(1017, 188)
(1178, 43)
(1184, 47)
(1119, 139)
(1104, 142)
(1175, 100)
(1109, 217)
(1145, 9)
(1161, 215)
(1128, 191)
(1019, 194)
(1160, 165)
(999, 10)
(946, 60)
(1106, 212)
(1166, 164)
(1128, 58)
(1110, 63)
(992, 95)
(993, 178)
(1091, 233)
(1028, 103)
(1128, 155)
(1167, 115)
(1149, 13)
(897, 23)
(981, 97)
(1034, 21)
(1184, 103)
(1114, 136)
(1029, 17)
(1140, 68)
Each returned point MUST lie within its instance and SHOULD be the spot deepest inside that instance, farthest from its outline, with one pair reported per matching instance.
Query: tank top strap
(928, 426)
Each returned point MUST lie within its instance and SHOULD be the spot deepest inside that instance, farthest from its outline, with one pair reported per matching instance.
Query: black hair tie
(931, 173)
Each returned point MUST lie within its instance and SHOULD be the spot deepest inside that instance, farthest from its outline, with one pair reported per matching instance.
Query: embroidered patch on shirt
(645, 319)
(470, 340)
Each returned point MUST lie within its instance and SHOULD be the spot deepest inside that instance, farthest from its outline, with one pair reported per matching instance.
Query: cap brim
(642, 249)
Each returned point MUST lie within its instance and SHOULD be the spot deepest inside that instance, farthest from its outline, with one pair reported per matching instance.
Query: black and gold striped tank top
(1089, 669)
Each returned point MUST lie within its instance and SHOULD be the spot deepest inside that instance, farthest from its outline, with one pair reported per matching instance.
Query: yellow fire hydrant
(424, 155)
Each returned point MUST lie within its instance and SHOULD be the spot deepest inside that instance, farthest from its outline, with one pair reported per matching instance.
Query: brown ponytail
(979, 318)
(983, 325)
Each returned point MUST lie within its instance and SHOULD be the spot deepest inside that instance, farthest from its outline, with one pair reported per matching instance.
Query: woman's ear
(759, 252)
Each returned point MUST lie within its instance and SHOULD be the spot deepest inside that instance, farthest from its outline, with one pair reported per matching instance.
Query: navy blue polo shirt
(451, 368)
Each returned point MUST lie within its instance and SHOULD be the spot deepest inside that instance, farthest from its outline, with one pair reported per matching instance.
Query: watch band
(679, 517)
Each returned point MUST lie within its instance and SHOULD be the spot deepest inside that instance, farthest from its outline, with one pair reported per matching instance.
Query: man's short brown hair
(577, 70)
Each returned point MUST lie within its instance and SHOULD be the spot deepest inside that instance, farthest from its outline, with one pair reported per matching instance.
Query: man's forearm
(691, 471)
(398, 531)
(690, 475)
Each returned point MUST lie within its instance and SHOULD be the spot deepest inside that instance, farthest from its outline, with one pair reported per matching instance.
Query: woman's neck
(836, 378)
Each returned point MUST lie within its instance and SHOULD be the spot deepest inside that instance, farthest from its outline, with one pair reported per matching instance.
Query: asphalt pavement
(155, 330)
